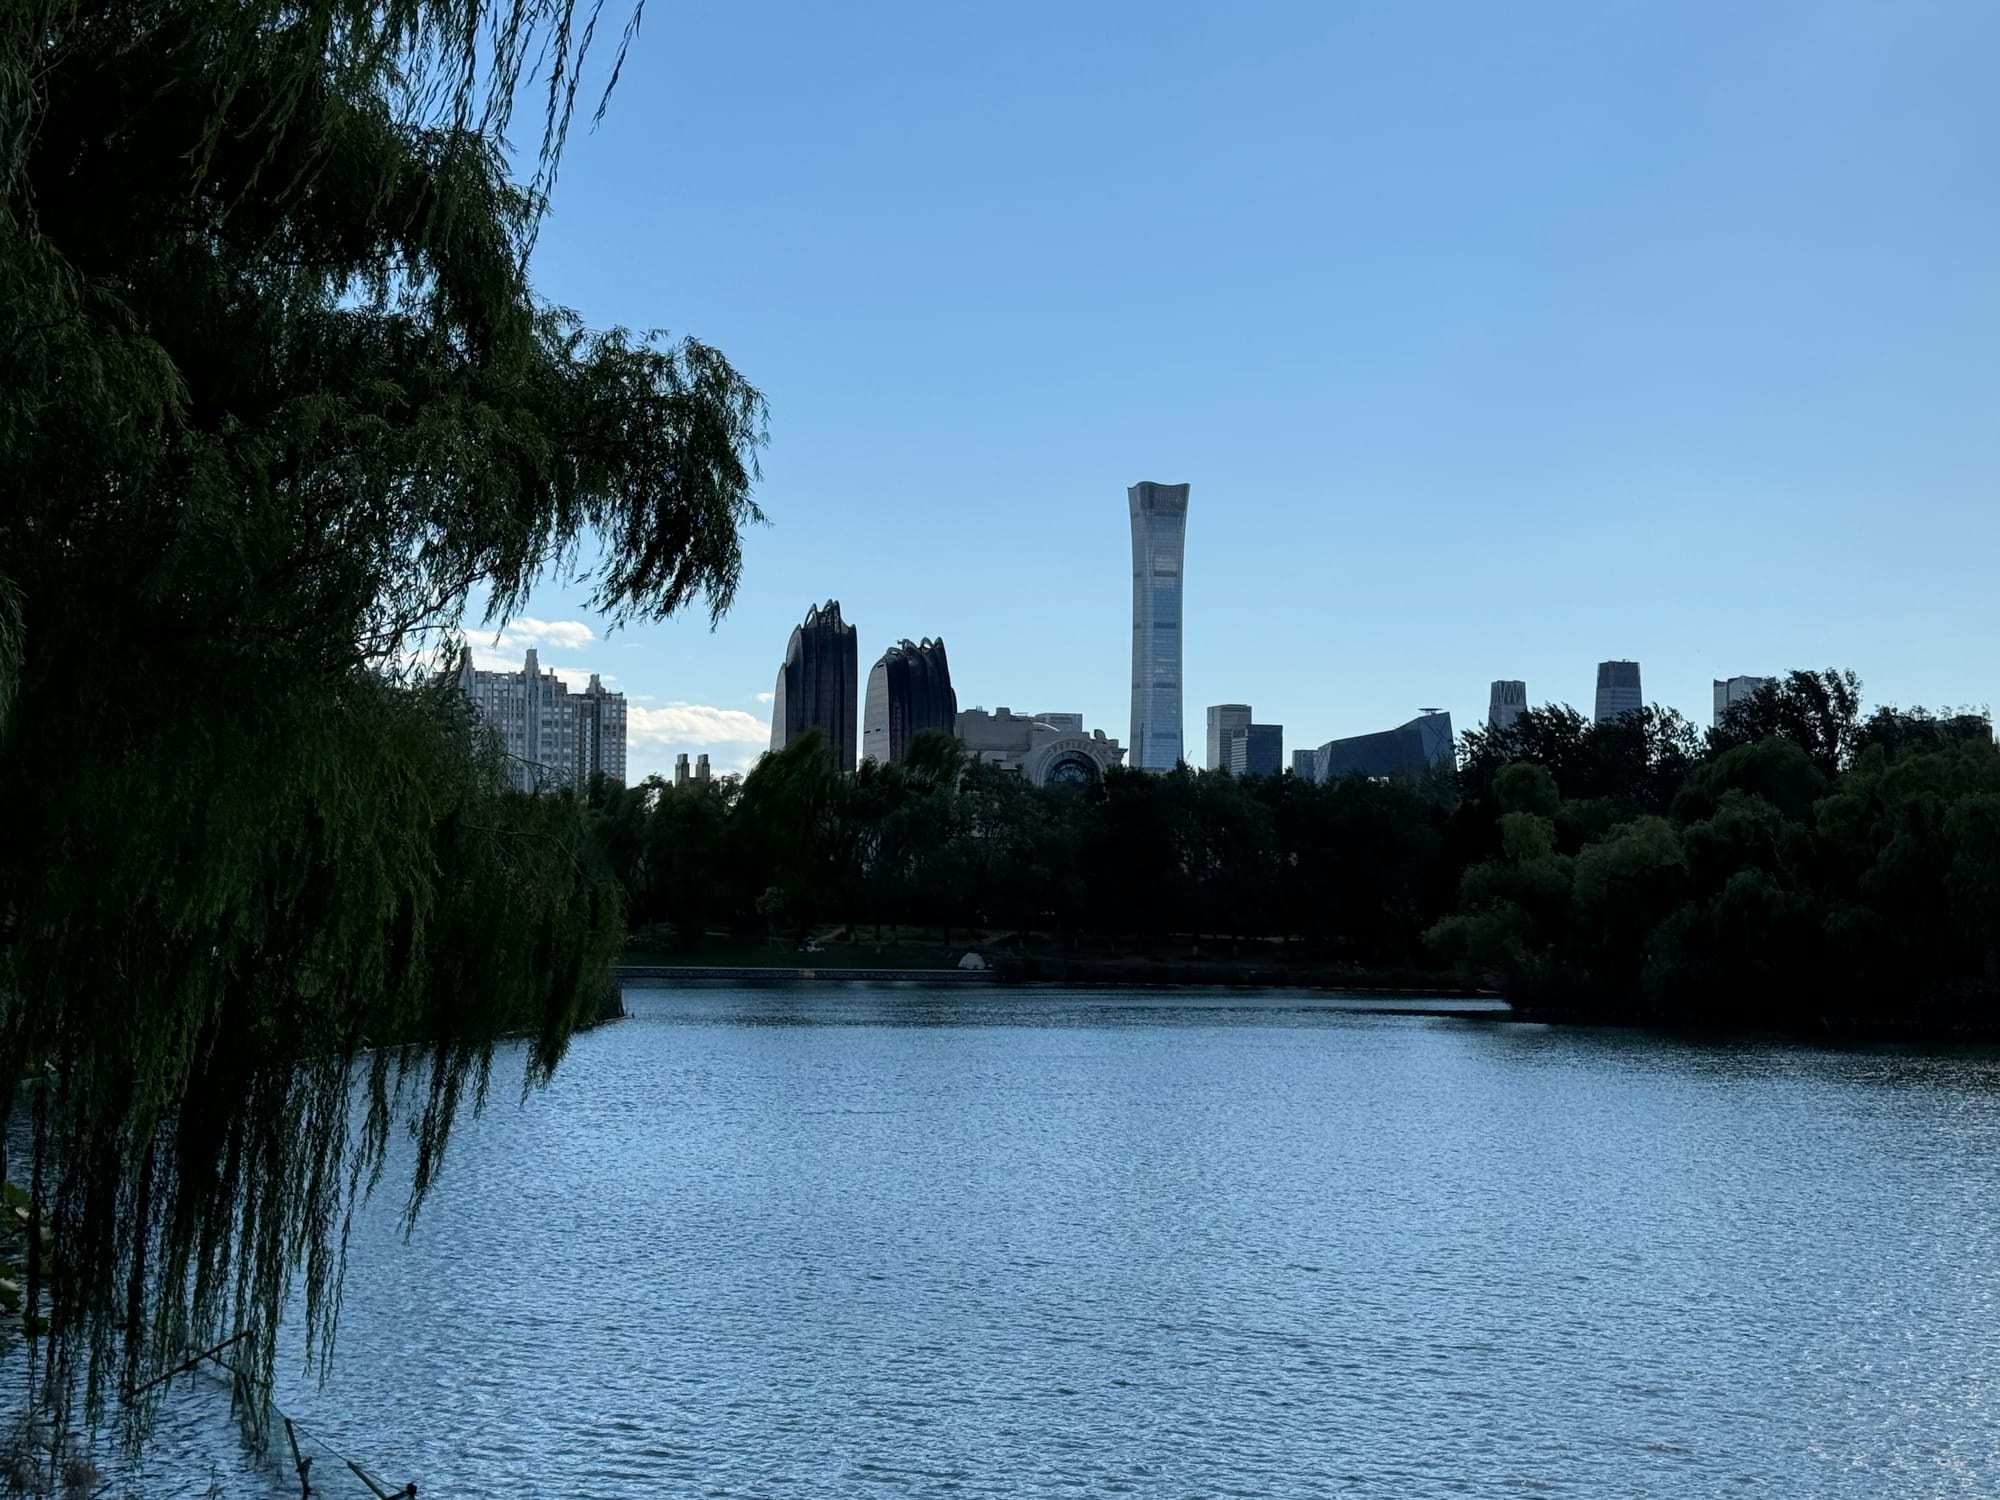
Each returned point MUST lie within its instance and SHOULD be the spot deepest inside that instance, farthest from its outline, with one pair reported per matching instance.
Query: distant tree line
(1800, 864)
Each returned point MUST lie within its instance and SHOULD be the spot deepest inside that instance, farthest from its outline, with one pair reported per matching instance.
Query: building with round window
(1045, 749)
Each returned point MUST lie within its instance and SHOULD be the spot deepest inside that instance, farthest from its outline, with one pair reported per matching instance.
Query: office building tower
(1258, 751)
(1731, 691)
(1407, 752)
(1264, 749)
(681, 769)
(1504, 704)
(1046, 749)
(701, 769)
(1159, 544)
(550, 736)
(1302, 764)
(1618, 690)
(1226, 722)
(818, 684)
(909, 691)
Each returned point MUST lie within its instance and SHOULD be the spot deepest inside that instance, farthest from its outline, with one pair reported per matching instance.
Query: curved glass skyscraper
(909, 691)
(817, 685)
(1159, 544)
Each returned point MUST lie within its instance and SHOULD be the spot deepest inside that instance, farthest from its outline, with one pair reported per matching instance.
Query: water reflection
(843, 1241)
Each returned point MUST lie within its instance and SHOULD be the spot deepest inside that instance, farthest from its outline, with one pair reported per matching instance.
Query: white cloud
(695, 724)
(730, 738)
(552, 635)
(766, 697)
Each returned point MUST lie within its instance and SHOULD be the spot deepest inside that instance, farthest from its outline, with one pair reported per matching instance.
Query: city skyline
(736, 737)
(1440, 374)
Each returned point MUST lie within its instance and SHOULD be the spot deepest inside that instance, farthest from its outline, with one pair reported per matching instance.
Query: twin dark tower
(909, 690)
(816, 685)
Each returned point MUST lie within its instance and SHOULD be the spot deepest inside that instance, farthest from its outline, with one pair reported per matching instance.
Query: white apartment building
(552, 737)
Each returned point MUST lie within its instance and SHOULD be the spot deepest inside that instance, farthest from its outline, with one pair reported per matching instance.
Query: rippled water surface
(834, 1241)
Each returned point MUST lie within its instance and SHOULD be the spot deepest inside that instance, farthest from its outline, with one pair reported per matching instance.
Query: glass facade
(1263, 751)
(1505, 704)
(819, 684)
(1408, 751)
(1226, 722)
(909, 691)
(1618, 691)
(1159, 545)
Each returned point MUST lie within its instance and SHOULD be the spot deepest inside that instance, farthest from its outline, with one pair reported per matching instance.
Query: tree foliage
(1628, 870)
(277, 401)
(942, 842)
(1811, 868)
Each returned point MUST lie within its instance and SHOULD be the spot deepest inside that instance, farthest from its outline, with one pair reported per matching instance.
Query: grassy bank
(1030, 957)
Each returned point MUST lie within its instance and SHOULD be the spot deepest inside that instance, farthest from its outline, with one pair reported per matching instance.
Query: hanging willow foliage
(275, 398)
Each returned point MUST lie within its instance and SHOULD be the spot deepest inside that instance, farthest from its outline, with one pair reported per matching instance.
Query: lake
(876, 1241)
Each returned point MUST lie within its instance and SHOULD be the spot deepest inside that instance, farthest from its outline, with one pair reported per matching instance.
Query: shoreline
(1179, 977)
(1442, 1001)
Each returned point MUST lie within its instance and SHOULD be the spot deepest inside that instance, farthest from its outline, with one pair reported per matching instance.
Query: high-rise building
(1505, 703)
(1618, 690)
(681, 769)
(1226, 721)
(1258, 751)
(817, 685)
(552, 737)
(1303, 763)
(600, 733)
(1408, 751)
(1733, 690)
(1046, 749)
(1159, 546)
(1261, 751)
(701, 768)
(909, 691)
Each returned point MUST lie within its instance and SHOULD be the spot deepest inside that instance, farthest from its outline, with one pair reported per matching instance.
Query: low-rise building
(1408, 752)
(1046, 749)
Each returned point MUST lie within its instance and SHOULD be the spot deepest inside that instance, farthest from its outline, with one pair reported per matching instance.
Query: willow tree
(276, 401)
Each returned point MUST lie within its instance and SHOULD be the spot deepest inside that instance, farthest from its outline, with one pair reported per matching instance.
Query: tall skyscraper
(1226, 721)
(909, 690)
(551, 736)
(1159, 545)
(817, 685)
(1618, 690)
(1504, 704)
(1733, 690)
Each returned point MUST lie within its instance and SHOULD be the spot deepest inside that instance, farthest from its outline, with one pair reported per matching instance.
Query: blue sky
(1493, 339)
